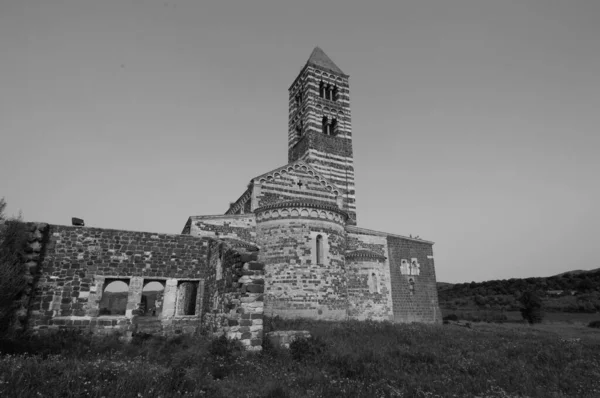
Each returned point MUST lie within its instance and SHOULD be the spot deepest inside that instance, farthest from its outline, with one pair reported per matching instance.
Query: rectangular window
(187, 298)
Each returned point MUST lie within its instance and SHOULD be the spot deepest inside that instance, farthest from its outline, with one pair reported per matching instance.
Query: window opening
(187, 293)
(374, 284)
(114, 297)
(335, 94)
(152, 298)
(321, 89)
(333, 127)
(319, 249)
(325, 125)
(411, 286)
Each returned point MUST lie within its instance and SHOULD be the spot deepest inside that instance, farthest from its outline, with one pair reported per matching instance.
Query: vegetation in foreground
(350, 359)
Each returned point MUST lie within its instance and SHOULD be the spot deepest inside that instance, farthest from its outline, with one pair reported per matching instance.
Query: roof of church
(320, 59)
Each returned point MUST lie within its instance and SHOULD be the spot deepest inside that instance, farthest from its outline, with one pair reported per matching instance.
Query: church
(302, 219)
(289, 246)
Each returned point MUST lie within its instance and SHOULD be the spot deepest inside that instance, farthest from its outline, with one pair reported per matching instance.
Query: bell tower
(320, 128)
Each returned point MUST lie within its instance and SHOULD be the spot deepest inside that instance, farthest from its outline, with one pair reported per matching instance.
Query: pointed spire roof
(319, 59)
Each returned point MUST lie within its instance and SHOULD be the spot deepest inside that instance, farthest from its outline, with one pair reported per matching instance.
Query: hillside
(573, 291)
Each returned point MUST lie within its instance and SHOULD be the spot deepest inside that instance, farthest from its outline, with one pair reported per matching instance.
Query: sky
(475, 122)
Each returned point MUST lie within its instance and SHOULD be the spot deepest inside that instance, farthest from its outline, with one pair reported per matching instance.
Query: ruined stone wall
(369, 281)
(34, 255)
(236, 226)
(236, 296)
(79, 262)
(298, 283)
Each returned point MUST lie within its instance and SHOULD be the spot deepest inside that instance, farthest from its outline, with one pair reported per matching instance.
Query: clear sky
(475, 122)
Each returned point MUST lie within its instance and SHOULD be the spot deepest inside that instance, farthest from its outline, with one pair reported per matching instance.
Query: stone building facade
(302, 216)
(289, 246)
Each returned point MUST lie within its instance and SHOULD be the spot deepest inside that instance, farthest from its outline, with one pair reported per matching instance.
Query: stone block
(253, 288)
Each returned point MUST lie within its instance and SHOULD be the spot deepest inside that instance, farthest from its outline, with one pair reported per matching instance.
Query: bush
(13, 240)
(303, 349)
(532, 307)
(224, 347)
(594, 324)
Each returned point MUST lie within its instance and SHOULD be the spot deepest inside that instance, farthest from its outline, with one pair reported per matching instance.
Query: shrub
(594, 324)
(224, 347)
(451, 317)
(303, 349)
(13, 240)
(532, 307)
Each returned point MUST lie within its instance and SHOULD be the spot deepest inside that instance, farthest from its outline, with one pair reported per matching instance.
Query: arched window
(325, 125)
(114, 297)
(319, 249)
(152, 298)
(373, 283)
(334, 97)
(321, 89)
(328, 92)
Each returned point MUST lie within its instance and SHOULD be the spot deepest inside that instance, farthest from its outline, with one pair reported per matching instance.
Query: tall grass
(349, 359)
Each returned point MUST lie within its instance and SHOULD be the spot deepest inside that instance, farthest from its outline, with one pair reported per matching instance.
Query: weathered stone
(253, 288)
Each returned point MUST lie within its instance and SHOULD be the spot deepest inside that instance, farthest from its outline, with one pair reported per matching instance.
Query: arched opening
(152, 298)
(187, 293)
(321, 89)
(334, 96)
(325, 123)
(319, 249)
(114, 297)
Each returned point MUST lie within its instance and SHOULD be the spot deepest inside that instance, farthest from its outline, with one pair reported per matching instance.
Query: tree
(532, 307)
(13, 240)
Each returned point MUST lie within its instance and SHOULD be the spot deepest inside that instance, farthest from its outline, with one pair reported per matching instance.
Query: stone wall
(236, 296)
(299, 283)
(369, 281)
(369, 294)
(414, 290)
(80, 262)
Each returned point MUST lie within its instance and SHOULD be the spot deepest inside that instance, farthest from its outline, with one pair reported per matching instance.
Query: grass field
(351, 359)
